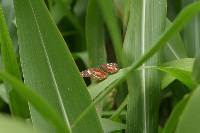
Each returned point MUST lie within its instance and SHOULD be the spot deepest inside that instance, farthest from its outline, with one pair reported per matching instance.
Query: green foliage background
(46, 43)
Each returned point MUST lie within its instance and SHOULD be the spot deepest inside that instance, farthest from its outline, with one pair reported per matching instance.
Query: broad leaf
(146, 23)
(48, 67)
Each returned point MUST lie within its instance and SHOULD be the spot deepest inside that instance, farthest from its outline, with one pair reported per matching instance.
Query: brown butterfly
(110, 67)
(100, 73)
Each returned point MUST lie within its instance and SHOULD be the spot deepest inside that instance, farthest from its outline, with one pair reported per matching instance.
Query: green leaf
(175, 27)
(10, 65)
(47, 111)
(8, 125)
(184, 64)
(175, 48)
(181, 20)
(48, 67)
(191, 33)
(107, 10)
(110, 126)
(184, 76)
(146, 23)
(178, 69)
(174, 117)
(190, 119)
(95, 35)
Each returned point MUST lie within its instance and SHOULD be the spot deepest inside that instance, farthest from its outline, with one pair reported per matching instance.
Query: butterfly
(100, 73)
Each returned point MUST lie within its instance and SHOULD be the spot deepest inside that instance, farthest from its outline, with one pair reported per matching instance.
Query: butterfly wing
(110, 67)
(98, 74)
(94, 73)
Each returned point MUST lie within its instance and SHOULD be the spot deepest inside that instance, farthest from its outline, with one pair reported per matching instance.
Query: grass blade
(146, 23)
(175, 48)
(112, 25)
(181, 20)
(49, 68)
(11, 66)
(95, 35)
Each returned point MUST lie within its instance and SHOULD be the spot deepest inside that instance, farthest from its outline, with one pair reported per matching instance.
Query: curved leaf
(48, 67)
(184, 64)
(184, 76)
